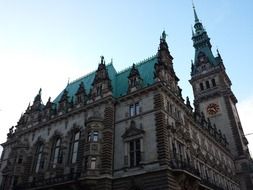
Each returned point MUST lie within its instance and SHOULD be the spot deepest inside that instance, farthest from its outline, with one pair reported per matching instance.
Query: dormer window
(79, 99)
(99, 90)
(133, 82)
(134, 79)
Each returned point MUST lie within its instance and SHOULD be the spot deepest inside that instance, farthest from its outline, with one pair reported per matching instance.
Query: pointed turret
(49, 109)
(164, 70)
(64, 101)
(37, 103)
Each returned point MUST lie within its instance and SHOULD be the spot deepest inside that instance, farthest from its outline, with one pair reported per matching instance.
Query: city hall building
(133, 130)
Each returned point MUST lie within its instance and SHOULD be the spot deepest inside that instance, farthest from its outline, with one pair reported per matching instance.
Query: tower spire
(195, 13)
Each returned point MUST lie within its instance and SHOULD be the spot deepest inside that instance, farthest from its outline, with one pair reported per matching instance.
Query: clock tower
(212, 90)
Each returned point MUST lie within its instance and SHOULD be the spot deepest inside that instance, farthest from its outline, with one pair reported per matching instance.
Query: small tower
(164, 67)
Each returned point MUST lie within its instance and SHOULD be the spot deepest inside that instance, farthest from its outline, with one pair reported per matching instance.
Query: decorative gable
(81, 95)
(64, 103)
(132, 131)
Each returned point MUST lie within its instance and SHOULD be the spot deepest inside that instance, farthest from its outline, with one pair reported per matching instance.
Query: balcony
(206, 184)
(46, 183)
(182, 166)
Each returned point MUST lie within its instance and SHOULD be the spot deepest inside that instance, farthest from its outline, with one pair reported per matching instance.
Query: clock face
(212, 108)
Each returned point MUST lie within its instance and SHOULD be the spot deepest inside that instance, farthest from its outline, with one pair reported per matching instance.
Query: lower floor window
(135, 152)
(93, 163)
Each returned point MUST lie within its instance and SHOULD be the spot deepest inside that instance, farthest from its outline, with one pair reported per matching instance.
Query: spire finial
(102, 59)
(68, 81)
(164, 35)
(195, 13)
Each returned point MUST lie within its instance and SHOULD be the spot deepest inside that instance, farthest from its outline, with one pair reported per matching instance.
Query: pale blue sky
(43, 43)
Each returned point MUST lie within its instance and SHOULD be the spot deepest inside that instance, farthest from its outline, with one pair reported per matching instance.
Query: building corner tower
(214, 98)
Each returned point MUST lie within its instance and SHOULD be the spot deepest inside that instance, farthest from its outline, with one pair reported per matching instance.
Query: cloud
(245, 110)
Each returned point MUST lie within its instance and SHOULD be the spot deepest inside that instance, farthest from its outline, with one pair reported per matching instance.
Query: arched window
(213, 82)
(74, 147)
(56, 152)
(38, 158)
(207, 84)
(201, 86)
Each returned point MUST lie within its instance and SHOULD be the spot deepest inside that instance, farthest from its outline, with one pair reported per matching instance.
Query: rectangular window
(95, 136)
(74, 147)
(89, 136)
(137, 108)
(131, 110)
(134, 109)
(135, 152)
(93, 163)
(74, 154)
(20, 159)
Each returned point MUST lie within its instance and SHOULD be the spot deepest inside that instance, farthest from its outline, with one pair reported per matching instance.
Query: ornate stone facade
(132, 130)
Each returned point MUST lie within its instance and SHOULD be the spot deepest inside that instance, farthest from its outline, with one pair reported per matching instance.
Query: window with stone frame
(20, 159)
(39, 161)
(79, 99)
(56, 157)
(134, 109)
(99, 90)
(133, 142)
(201, 86)
(207, 84)
(74, 145)
(93, 136)
(213, 82)
(179, 152)
(93, 163)
(134, 152)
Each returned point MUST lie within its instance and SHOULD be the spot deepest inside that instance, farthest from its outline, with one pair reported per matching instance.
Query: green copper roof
(145, 68)
(119, 80)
